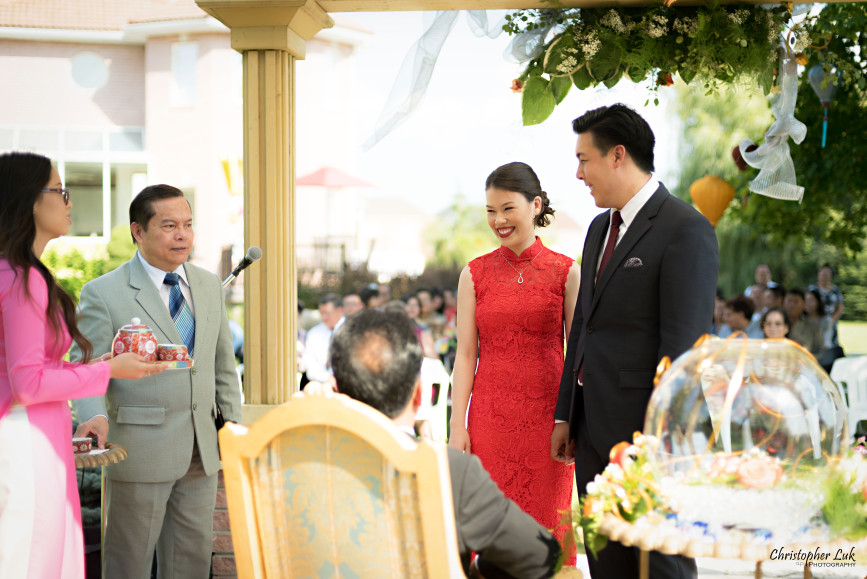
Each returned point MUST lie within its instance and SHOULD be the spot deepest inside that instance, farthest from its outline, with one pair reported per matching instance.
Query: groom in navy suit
(648, 281)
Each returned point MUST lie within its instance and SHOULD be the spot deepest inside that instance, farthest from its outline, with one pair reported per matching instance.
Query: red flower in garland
(517, 85)
(664, 79)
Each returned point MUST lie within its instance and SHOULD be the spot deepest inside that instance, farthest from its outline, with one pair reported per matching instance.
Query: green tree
(459, 234)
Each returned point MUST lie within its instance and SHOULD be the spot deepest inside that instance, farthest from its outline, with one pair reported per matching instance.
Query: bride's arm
(465, 361)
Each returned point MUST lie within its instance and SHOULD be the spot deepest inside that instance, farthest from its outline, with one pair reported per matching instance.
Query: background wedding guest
(763, 279)
(319, 338)
(775, 323)
(370, 297)
(162, 498)
(413, 310)
(815, 310)
(739, 318)
(351, 303)
(40, 516)
(832, 300)
(802, 328)
(513, 305)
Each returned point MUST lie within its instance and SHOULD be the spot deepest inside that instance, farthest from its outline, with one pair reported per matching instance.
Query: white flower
(739, 16)
(591, 488)
(614, 471)
(612, 20)
(657, 26)
(801, 40)
(568, 65)
(589, 44)
(620, 493)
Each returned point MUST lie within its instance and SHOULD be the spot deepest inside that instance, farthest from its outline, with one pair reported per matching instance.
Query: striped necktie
(180, 311)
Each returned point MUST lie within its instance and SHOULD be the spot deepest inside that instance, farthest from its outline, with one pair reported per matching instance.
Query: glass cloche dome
(744, 431)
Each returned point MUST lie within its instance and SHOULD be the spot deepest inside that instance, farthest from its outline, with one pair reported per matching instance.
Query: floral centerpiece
(714, 44)
(742, 444)
(627, 488)
(845, 506)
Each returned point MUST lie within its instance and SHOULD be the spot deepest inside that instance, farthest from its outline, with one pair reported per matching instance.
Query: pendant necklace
(523, 269)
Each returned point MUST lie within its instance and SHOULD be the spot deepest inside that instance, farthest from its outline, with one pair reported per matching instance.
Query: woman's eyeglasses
(63, 192)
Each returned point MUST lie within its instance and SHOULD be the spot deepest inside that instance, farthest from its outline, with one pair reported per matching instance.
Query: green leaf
(560, 86)
(687, 74)
(637, 73)
(581, 78)
(537, 102)
(613, 80)
(605, 63)
(562, 57)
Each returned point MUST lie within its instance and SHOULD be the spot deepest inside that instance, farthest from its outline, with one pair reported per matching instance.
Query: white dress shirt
(628, 213)
(316, 351)
(158, 276)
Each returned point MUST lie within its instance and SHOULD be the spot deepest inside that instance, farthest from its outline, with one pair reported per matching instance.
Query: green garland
(713, 44)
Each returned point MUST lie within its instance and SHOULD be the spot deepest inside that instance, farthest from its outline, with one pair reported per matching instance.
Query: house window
(184, 57)
(84, 181)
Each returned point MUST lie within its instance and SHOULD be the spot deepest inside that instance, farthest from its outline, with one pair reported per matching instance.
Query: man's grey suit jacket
(494, 527)
(157, 419)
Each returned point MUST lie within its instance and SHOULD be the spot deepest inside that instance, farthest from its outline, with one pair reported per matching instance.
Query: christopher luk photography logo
(818, 557)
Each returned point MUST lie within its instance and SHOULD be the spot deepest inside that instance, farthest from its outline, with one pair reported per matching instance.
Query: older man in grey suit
(163, 496)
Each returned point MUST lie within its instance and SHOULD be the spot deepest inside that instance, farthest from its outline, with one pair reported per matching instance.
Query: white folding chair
(433, 373)
(850, 375)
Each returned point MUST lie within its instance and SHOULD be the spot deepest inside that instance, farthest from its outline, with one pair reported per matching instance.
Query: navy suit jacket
(655, 298)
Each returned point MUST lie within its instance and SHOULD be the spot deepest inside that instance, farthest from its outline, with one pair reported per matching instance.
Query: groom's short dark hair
(619, 125)
(376, 359)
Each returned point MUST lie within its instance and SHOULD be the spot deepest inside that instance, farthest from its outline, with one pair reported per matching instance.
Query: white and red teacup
(172, 353)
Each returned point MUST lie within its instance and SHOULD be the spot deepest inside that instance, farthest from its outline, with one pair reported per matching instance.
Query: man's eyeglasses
(64, 192)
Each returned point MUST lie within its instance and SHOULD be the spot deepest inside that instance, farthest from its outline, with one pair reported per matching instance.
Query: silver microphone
(253, 254)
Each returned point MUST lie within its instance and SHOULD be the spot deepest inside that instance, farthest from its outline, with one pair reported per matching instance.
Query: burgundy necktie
(616, 220)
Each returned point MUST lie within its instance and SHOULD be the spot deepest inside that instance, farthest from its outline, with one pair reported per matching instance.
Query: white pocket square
(633, 262)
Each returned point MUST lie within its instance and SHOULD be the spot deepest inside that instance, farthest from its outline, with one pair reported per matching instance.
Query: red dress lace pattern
(515, 389)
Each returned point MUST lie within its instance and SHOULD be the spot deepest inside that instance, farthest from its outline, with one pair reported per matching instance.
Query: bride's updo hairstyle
(520, 178)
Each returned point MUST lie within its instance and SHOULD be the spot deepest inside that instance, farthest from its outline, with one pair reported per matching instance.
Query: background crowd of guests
(768, 310)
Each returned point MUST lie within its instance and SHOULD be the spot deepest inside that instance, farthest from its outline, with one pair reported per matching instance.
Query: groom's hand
(562, 449)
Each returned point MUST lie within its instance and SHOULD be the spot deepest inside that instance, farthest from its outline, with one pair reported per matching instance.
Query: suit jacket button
(195, 406)
(193, 371)
(589, 329)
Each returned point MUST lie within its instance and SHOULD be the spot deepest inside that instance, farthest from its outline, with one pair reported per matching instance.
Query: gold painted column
(271, 35)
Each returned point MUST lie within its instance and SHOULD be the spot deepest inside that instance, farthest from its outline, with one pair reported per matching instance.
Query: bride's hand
(459, 438)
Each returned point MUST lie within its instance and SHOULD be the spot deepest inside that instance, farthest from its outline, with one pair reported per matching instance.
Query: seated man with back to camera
(376, 359)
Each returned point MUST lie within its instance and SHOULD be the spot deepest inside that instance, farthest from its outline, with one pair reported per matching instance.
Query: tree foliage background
(830, 224)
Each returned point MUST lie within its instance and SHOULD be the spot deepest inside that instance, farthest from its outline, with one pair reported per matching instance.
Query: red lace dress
(511, 413)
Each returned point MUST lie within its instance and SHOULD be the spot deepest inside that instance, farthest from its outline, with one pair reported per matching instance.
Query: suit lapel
(637, 229)
(149, 299)
(200, 303)
(594, 246)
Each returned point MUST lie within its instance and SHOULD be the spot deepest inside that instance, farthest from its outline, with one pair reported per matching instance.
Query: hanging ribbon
(777, 177)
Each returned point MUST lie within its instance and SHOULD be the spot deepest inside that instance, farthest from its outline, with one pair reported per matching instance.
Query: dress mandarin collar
(530, 253)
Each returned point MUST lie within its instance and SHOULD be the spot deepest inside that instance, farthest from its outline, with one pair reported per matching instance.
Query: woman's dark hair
(820, 305)
(520, 178)
(23, 176)
(368, 292)
(780, 311)
(141, 210)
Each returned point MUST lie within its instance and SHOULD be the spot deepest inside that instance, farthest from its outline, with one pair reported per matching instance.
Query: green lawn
(853, 337)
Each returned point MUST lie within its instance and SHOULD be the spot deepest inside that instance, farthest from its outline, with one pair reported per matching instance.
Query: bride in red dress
(515, 307)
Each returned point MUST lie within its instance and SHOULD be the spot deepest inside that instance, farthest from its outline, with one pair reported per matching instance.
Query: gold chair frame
(240, 446)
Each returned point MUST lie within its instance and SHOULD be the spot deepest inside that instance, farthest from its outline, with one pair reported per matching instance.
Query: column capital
(269, 24)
